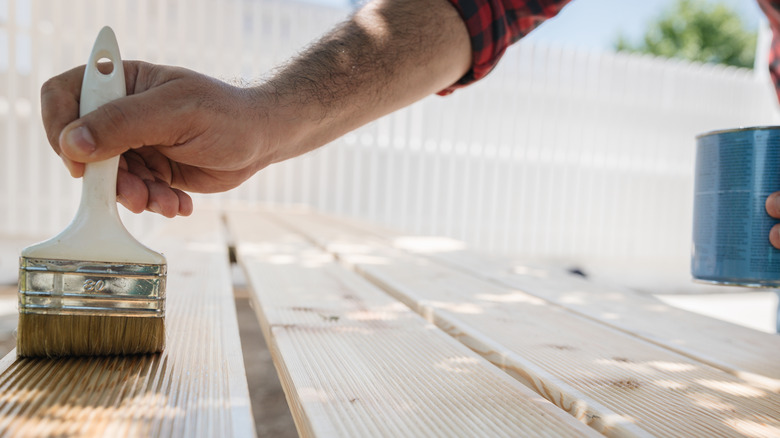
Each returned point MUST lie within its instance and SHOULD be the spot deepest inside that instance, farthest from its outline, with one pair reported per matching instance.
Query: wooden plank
(699, 337)
(591, 370)
(355, 362)
(749, 354)
(196, 387)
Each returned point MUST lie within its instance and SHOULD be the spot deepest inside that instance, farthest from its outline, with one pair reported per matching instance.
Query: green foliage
(697, 30)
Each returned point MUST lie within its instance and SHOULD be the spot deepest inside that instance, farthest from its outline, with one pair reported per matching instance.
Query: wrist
(287, 124)
(273, 132)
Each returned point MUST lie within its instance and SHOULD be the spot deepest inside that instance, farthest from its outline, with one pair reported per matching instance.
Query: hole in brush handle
(105, 66)
(105, 63)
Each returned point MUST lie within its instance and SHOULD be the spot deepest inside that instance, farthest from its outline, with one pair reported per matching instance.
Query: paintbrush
(93, 289)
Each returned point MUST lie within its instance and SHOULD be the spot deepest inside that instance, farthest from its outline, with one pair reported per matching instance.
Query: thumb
(77, 142)
(126, 123)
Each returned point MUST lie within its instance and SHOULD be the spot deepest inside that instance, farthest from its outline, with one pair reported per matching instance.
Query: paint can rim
(740, 129)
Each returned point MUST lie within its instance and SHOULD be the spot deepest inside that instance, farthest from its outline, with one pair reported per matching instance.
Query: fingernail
(777, 202)
(81, 140)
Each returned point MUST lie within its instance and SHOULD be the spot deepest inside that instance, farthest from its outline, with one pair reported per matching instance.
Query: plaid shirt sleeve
(772, 10)
(494, 25)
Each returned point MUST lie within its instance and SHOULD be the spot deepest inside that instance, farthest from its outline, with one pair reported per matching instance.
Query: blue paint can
(735, 172)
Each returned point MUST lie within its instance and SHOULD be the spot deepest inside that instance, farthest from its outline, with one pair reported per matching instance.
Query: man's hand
(177, 131)
(773, 208)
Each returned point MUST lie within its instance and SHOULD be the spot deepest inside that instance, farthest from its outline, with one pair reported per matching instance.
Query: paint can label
(735, 172)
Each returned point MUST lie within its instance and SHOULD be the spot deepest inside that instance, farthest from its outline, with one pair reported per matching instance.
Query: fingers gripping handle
(99, 185)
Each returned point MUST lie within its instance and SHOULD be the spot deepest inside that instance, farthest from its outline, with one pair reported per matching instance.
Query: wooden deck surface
(616, 381)
(702, 338)
(355, 362)
(374, 333)
(195, 388)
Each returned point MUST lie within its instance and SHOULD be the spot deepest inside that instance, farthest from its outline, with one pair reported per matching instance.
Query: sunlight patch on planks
(356, 362)
(585, 367)
(195, 388)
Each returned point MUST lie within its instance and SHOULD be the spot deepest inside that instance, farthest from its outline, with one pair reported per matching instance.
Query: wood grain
(195, 388)
(700, 337)
(356, 362)
(616, 382)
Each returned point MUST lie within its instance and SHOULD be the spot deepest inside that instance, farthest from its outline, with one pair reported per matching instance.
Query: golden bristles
(80, 335)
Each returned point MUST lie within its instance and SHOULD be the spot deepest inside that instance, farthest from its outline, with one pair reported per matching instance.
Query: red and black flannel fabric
(494, 25)
(772, 10)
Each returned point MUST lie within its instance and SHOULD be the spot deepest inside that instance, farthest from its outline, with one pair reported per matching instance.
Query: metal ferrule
(67, 287)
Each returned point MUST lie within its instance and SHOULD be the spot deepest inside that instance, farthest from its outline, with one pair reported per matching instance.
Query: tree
(697, 31)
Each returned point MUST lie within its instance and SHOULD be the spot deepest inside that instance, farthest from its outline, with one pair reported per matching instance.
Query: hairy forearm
(389, 54)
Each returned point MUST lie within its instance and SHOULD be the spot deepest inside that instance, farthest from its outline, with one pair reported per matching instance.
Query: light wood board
(616, 382)
(700, 337)
(195, 388)
(356, 362)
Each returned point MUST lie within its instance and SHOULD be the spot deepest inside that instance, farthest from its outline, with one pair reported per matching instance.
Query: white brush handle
(98, 190)
(97, 233)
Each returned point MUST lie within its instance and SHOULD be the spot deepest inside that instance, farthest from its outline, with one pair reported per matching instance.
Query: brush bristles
(80, 335)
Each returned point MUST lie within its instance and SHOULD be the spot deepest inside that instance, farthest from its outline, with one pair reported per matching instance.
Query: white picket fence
(558, 153)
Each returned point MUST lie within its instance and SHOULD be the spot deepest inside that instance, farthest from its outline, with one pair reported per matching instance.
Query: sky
(595, 24)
